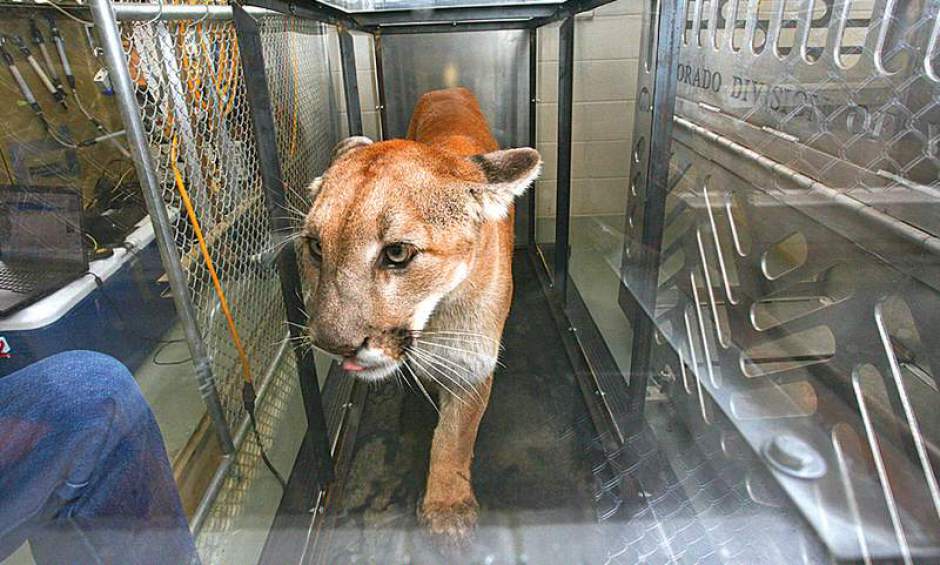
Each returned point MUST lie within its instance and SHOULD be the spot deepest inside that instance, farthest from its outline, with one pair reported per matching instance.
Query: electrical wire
(85, 23)
(249, 395)
(96, 123)
(154, 359)
(210, 266)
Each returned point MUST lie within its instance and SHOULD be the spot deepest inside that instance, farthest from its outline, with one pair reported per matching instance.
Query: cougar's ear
(349, 145)
(508, 173)
(344, 147)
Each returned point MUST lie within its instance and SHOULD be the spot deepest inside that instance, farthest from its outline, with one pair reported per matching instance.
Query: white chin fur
(376, 373)
(469, 368)
(379, 364)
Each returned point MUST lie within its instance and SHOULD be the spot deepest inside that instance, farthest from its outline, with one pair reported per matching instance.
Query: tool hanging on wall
(25, 90)
(103, 132)
(30, 98)
(57, 94)
(18, 79)
(101, 77)
(40, 42)
(60, 49)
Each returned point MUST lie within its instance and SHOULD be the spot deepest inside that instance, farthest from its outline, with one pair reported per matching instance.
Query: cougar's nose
(335, 344)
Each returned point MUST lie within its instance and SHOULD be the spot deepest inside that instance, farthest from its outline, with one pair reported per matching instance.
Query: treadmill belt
(532, 473)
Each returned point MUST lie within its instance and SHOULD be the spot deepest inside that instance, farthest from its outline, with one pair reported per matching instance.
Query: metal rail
(347, 53)
(380, 84)
(456, 14)
(533, 130)
(173, 12)
(563, 185)
(654, 168)
(925, 241)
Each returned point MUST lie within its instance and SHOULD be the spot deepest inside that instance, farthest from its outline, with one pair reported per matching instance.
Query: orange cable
(223, 301)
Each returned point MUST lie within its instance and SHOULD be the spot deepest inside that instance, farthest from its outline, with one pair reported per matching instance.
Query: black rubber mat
(534, 471)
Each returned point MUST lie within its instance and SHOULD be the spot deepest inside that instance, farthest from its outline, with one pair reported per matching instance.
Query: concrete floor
(169, 385)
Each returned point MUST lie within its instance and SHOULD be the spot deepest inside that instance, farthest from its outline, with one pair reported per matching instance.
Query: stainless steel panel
(800, 293)
(493, 64)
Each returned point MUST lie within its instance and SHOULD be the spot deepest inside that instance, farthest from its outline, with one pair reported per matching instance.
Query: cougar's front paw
(450, 524)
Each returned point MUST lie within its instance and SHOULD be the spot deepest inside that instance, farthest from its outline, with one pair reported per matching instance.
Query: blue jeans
(84, 475)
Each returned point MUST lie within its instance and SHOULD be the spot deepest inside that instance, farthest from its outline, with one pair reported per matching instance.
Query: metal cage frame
(616, 409)
(611, 405)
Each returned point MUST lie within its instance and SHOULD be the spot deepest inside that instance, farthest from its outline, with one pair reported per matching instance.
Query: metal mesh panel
(798, 273)
(190, 89)
(226, 521)
(303, 100)
(191, 94)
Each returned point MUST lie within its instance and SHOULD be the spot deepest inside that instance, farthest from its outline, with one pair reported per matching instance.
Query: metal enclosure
(493, 64)
(781, 243)
(184, 93)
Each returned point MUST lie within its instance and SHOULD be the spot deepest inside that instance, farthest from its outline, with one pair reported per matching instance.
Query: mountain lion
(408, 258)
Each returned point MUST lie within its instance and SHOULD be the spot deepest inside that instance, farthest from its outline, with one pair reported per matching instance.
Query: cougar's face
(387, 238)
(391, 233)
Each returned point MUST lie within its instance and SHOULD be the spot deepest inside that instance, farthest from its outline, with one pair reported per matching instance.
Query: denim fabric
(84, 474)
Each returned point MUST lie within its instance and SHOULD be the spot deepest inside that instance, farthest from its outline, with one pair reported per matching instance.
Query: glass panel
(604, 151)
(786, 38)
(547, 143)
(705, 24)
(819, 25)
(855, 31)
(743, 370)
(737, 23)
(132, 413)
(790, 317)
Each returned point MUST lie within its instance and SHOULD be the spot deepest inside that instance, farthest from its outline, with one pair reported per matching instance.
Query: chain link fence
(190, 90)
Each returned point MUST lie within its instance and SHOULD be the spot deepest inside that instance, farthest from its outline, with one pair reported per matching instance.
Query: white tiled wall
(606, 47)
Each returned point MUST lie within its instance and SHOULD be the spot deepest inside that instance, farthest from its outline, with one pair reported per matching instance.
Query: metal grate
(224, 530)
(798, 273)
(305, 107)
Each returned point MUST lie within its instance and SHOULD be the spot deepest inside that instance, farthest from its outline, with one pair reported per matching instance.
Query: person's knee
(88, 379)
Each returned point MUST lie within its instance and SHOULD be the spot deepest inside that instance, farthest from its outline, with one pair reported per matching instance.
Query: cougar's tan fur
(446, 192)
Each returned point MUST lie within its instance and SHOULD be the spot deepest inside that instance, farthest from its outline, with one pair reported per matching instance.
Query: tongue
(350, 365)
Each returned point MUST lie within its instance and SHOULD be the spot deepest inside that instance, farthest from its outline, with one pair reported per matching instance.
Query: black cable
(249, 396)
(160, 349)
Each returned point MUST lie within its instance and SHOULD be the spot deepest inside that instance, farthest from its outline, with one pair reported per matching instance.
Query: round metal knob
(795, 457)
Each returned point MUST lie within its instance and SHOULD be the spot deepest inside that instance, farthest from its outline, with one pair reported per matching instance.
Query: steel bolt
(793, 456)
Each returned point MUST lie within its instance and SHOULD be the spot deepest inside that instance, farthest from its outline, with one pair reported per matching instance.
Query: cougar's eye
(313, 245)
(398, 255)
